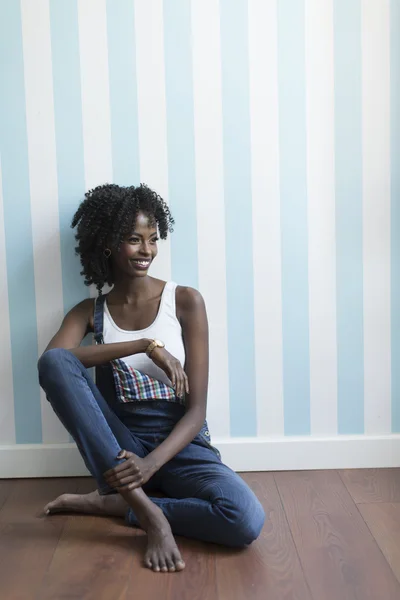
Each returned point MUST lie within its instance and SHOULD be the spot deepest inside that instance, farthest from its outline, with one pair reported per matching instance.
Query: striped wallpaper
(272, 128)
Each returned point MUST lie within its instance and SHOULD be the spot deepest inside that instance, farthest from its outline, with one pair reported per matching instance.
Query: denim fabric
(204, 500)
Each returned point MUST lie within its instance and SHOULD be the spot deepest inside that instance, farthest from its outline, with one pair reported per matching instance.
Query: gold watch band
(154, 344)
(151, 347)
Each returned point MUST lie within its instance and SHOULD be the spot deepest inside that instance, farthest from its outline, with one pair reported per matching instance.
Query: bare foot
(162, 554)
(92, 504)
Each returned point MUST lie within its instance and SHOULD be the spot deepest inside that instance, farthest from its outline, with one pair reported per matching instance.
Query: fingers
(129, 460)
(126, 472)
(121, 470)
(172, 375)
(135, 484)
(173, 369)
(181, 390)
(182, 385)
(116, 479)
(125, 475)
(129, 483)
(186, 382)
(178, 378)
(125, 478)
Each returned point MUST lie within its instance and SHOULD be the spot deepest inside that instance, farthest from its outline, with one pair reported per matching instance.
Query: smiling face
(138, 250)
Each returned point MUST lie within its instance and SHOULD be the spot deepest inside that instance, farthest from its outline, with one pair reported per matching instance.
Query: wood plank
(143, 583)
(96, 557)
(97, 550)
(6, 486)
(339, 556)
(28, 497)
(269, 568)
(27, 538)
(198, 581)
(26, 550)
(372, 485)
(93, 560)
(384, 523)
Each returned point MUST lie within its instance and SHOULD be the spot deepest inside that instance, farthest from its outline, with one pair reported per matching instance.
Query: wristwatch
(153, 345)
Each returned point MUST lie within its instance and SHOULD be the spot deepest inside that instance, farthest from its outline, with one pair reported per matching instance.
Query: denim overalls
(204, 499)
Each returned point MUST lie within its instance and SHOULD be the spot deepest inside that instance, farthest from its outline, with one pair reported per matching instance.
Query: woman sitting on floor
(142, 428)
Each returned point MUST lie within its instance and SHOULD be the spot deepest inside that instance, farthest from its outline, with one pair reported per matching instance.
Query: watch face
(159, 344)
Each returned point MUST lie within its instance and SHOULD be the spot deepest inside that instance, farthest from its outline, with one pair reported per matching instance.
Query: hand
(173, 368)
(131, 474)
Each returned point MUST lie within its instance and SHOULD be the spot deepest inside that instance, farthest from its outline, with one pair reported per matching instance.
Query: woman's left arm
(191, 313)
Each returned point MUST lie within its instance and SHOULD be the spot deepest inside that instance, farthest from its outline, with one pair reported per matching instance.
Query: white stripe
(7, 421)
(95, 92)
(210, 201)
(266, 216)
(321, 215)
(376, 213)
(149, 37)
(43, 188)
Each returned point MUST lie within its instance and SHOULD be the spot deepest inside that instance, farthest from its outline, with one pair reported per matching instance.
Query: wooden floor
(328, 536)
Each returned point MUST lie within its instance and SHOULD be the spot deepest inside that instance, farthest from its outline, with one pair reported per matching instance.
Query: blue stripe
(180, 139)
(349, 257)
(69, 139)
(123, 91)
(395, 206)
(294, 234)
(18, 227)
(238, 216)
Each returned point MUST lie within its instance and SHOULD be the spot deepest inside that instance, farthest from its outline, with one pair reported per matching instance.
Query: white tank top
(165, 327)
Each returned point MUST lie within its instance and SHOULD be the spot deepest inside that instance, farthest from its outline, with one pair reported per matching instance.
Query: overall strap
(98, 320)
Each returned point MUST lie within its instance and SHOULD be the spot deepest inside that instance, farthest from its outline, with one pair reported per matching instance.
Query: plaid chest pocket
(134, 386)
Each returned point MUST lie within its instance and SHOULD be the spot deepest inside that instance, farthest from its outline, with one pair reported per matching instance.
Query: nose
(145, 249)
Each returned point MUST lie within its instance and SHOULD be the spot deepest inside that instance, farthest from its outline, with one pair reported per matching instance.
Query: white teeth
(143, 263)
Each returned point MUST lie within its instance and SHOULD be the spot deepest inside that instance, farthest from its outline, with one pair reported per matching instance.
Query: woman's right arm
(75, 326)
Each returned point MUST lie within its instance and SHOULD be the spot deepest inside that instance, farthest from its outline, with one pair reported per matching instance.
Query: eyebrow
(134, 234)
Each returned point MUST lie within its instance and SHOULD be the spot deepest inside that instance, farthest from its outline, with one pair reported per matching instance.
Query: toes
(48, 508)
(147, 562)
(57, 505)
(163, 566)
(170, 565)
(179, 563)
(155, 563)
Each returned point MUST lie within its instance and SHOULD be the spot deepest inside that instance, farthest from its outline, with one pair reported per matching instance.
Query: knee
(249, 528)
(51, 361)
(245, 522)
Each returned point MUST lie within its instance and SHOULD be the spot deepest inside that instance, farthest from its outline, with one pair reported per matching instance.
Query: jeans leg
(96, 429)
(208, 501)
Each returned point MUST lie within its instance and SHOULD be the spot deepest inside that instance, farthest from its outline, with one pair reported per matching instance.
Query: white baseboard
(242, 454)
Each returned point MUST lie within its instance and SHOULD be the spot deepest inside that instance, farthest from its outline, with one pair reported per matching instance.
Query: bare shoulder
(85, 307)
(191, 313)
(83, 311)
(188, 299)
(76, 324)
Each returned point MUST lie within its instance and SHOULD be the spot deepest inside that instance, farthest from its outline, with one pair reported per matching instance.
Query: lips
(142, 264)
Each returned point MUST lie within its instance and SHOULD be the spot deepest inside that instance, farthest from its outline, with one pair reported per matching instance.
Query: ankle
(154, 519)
